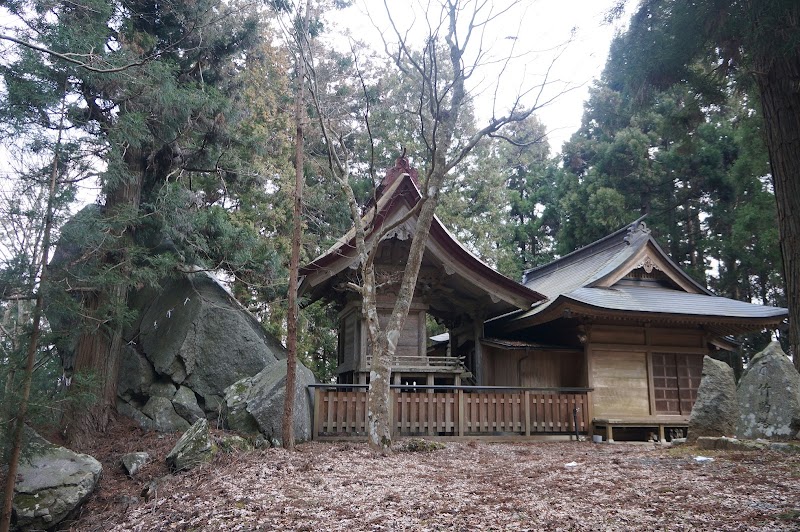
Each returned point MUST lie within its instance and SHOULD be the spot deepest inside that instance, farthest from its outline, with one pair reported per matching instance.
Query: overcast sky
(541, 28)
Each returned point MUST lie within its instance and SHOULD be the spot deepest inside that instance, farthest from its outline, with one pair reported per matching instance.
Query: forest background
(181, 113)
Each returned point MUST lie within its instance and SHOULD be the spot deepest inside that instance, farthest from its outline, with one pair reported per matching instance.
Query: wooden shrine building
(612, 335)
(454, 287)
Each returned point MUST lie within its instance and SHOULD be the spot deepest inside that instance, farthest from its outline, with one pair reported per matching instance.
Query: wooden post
(589, 414)
(392, 421)
(317, 413)
(527, 413)
(365, 395)
(461, 420)
(477, 333)
(431, 410)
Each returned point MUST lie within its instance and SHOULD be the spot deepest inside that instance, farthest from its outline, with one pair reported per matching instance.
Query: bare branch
(68, 57)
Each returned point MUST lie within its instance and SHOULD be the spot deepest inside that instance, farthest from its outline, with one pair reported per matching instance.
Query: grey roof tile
(667, 301)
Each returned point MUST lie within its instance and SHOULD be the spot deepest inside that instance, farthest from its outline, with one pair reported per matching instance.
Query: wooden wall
(621, 367)
(535, 369)
(412, 341)
(620, 384)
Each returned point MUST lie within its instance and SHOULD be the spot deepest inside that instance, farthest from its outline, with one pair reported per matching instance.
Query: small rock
(163, 414)
(132, 462)
(231, 442)
(185, 404)
(166, 390)
(193, 448)
(52, 482)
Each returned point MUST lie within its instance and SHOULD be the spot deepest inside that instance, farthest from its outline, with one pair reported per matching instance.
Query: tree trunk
(297, 232)
(33, 344)
(97, 356)
(379, 429)
(385, 345)
(778, 79)
(99, 350)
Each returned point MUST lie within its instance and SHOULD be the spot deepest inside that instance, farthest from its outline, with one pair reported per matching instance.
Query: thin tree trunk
(385, 345)
(13, 463)
(379, 430)
(778, 79)
(297, 232)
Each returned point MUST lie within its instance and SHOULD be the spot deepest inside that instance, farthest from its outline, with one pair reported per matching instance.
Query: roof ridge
(629, 230)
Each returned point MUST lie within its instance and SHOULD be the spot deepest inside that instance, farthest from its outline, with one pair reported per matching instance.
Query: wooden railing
(423, 362)
(340, 411)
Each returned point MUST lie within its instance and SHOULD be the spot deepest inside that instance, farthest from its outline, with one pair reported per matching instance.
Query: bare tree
(453, 51)
(301, 39)
(32, 347)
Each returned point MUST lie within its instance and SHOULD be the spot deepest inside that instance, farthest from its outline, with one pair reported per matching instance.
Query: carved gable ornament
(648, 264)
(402, 232)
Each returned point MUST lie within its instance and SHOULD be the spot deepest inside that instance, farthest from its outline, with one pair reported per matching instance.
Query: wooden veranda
(340, 411)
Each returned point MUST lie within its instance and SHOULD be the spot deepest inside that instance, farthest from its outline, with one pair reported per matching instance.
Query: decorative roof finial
(636, 227)
(401, 166)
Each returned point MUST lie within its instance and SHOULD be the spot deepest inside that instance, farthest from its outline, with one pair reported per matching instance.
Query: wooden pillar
(317, 422)
(422, 336)
(461, 420)
(589, 415)
(527, 397)
(477, 335)
(430, 406)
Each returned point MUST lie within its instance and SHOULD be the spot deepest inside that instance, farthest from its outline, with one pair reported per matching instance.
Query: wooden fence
(340, 411)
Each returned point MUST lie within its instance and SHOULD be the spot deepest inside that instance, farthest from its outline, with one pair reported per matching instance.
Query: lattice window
(676, 378)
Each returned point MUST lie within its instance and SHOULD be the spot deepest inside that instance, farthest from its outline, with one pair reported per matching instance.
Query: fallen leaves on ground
(463, 486)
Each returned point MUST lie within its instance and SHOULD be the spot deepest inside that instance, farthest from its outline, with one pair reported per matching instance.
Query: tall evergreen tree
(691, 159)
(158, 97)
(753, 44)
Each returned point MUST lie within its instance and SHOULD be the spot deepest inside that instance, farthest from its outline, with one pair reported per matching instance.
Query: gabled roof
(498, 293)
(595, 281)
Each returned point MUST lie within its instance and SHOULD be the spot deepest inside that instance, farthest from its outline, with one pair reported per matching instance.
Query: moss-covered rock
(231, 443)
(52, 482)
(193, 448)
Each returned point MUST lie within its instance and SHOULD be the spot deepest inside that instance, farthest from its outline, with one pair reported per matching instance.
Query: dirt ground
(464, 486)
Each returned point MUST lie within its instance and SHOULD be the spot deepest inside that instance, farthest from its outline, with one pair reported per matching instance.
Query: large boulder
(194, 332)
(52, 482)
(193, 448)
(769, 397)
(716, 410)
(255, 404)
(190, 342)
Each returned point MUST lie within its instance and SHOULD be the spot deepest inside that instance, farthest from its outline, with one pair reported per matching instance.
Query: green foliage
(665, 135)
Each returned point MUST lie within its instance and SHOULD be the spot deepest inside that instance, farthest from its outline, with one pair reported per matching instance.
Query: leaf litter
(457, 486)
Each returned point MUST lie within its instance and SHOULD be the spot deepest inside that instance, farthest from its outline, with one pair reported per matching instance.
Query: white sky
(544, 25)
